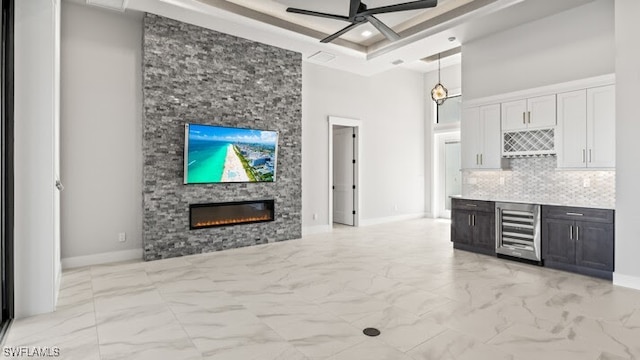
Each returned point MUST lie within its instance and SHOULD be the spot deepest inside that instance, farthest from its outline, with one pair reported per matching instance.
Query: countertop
(537, 201)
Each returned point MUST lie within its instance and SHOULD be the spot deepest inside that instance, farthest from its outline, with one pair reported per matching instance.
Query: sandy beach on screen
(233, 169)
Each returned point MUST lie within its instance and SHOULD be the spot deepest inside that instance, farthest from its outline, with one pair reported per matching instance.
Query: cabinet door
(491, 154)
(594, 245)
(513, 115)
(469, 138)
(461, 229)
(542, 112)
(484, 230)
(557, 241)
(601, 127)
(572, 129)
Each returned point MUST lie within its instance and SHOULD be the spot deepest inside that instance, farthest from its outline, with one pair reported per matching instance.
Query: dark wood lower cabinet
(473, 226)
(579, 240)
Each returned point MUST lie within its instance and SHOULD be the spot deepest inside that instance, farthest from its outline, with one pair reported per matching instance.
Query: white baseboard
(628, 281)
(318, 229)
(389, 219)
(102, 258)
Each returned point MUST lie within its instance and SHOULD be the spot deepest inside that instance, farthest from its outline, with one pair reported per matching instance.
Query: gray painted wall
(572, 45)
(628, 128)
(195, 75)
(101, 130)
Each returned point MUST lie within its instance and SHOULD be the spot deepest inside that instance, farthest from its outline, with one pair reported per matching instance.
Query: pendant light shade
(439, 93)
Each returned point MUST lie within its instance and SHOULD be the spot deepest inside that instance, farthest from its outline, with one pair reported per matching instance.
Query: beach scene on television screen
(222, 154)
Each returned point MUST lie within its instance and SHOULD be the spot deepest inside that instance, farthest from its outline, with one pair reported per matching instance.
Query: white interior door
(448, 170)
(343, 175)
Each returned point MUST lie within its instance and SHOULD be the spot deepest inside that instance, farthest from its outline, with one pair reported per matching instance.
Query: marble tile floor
(311, 298)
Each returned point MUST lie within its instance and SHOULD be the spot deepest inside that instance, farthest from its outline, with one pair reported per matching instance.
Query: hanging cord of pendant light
(439, 93)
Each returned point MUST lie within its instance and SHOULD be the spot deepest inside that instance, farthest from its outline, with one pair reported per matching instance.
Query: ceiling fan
(360, 14)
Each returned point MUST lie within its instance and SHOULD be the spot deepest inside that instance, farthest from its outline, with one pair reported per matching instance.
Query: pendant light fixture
(439, 93)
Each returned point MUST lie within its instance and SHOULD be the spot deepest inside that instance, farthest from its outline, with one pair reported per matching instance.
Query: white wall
(627, 13)
(101, 131)
(571, 45)
(451, 78)
(37, 259)
(391, 107)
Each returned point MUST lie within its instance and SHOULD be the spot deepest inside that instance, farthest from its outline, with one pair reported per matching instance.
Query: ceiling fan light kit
(359, 14)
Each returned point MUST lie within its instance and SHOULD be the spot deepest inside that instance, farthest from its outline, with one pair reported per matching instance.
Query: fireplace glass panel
(234, 213)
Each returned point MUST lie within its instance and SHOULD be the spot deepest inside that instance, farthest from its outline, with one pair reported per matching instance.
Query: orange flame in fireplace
(231, 221)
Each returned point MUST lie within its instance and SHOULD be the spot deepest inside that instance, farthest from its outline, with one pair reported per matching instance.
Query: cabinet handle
(574, 214)
(481, 159)
(584, 155)
(472, 205)
(524, 117)
(571, 232)
(469, 219)
(474, 220)
(589, 155)
(577, 233)
(477, 161)
(529, 117)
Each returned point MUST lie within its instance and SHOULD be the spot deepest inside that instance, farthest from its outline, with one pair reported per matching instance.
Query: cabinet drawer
(474, 205)
(578, 214)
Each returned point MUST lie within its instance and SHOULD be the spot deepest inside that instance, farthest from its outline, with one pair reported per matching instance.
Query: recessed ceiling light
(366, 33)
(452, 39)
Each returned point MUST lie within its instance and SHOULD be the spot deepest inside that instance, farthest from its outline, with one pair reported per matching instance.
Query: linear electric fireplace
(230, 213)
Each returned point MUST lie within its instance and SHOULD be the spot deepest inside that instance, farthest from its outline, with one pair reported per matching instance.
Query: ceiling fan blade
(332, 37)
(384, 29)
(414, 5)
(353, 8)
(315, 13)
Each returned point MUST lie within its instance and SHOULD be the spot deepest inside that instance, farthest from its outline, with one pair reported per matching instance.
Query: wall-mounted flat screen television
(216, 154)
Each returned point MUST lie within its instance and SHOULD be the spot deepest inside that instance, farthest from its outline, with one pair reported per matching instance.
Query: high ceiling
(423, 32)
(399, 21)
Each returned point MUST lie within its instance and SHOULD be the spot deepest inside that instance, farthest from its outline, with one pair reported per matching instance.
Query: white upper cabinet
(601, 127)
(469, 137)
(533, 113)
(586, 128)
(480, 137)
(572, 129)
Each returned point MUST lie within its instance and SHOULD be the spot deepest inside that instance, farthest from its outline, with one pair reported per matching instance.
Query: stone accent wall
(538, 180)
(196, 75)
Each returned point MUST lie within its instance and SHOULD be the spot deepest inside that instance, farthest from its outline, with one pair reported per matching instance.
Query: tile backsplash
(537, 180)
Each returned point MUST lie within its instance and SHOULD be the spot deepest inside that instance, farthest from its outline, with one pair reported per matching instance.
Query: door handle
(524, 117)
(59, 185)
(577, 233)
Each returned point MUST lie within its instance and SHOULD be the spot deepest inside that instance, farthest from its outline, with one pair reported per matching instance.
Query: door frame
(357, 129)
(440, 172)
(7, 150)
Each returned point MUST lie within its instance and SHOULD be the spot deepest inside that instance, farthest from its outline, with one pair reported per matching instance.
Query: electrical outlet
(122, 237)
(586, 182)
